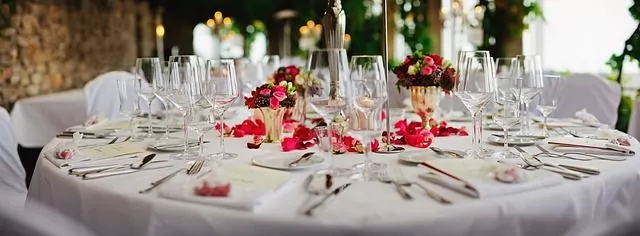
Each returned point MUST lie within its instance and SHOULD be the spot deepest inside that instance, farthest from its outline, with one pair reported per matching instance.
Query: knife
(332, 194)
(521, 136)
(118, 172)
(137, 165)
(87, 170)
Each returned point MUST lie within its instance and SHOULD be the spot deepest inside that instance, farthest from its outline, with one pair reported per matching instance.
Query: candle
(160, 42)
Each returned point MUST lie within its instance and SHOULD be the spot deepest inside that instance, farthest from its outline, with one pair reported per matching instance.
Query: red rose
(437, 60)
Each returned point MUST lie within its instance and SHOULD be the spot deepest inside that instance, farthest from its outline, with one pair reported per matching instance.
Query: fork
(402, 180)
(384, 177)
(192, 170)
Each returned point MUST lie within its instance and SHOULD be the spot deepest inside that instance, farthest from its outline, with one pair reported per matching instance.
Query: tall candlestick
(334, 22)
(389, 148)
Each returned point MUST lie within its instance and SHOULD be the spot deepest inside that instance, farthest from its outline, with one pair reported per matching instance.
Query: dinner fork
(384, 177)
(191, 170)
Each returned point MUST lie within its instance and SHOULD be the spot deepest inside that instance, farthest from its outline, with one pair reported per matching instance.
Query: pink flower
(407, 60)
(426, 70)
(265, 92)
(429, 61)
(279, 88)
(280, 95)
(274, 103)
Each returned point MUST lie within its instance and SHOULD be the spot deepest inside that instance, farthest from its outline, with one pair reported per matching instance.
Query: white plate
(280, 161)
(520, 141)
(418, 156)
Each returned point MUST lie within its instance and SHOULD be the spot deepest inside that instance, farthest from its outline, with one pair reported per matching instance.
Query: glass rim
(329, 50)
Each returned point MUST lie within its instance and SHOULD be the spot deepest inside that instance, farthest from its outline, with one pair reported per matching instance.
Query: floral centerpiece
(272, 101)
(302, 81)
(425, 76)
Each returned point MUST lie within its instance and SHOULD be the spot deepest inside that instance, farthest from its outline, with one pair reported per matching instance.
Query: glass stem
(366, 170)
(201, 141)
(222, 134)
(506, 137)
(479, 137)
(131, 127)
(544, 125)
(474, 134)
(185, 130)
(331, 146)
(526, 118)
(149, 118)
(167, 119)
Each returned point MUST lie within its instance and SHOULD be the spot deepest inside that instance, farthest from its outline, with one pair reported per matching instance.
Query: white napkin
(246, 194)
(587, 118)
(477, 174)
(591, 146)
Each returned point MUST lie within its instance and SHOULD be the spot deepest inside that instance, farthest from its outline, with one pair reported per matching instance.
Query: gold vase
(273, 123)
(425, 101)
(299, 110)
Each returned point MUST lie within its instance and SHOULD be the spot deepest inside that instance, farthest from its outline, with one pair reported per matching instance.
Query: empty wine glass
(148, 71)
(128, 102)
(548, 99)
(475, 89)
(222, 75)
(160, 88)
(529, 70)
(507, 113)
(329, 98)
(183, 93)
(368, 94)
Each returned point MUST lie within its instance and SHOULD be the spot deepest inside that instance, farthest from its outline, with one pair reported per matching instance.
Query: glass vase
(425, 102)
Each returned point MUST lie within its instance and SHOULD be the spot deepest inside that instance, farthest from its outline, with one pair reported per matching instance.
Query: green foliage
(505, 20)
(415, 27)
(631, 52)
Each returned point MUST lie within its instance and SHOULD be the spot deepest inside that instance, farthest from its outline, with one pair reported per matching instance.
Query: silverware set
(572, 172)
(113, 141)
(101, 171)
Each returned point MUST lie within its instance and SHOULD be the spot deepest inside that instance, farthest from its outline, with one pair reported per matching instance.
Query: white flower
(283, 83)
(412, 70)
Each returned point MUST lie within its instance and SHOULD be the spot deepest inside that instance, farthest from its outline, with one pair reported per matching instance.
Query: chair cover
(40, 221)
(396, 98)
(13, 190)
(599, 96)
(102, 95)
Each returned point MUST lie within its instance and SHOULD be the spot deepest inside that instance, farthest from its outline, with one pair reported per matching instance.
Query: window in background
(581, 35)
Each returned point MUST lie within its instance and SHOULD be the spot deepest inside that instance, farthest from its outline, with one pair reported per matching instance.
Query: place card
(111, 150)
(254, 177)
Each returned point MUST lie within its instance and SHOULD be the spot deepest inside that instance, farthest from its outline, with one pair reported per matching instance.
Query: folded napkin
(250, 187)
(591, 146)
(588, 118)
(479, 175)
(104, 152)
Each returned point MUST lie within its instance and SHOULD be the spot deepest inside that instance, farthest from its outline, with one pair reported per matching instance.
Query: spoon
(302, 158)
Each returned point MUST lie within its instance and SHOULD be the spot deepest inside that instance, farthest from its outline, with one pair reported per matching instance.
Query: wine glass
(475, 89)
(128, 102)
(222, 76)
(160, 89)
(548, 99)
(368, 94)
(184, 92)
(529, 70)
(329, 98)
(507, 113)
(148, 72)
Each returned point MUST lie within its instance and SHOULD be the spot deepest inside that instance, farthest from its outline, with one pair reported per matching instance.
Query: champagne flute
(128, 102)
(329, 98)
(183, 93)
(529, 70)
(148, 72)
(222, 75)
(475, 89)
(548, 99)
(368, 94)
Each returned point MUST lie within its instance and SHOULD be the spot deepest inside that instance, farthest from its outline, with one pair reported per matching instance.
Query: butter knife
(118, 172)
(332, 194)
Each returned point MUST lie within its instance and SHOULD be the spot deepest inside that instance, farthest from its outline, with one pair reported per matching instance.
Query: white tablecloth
(608, 204)
(37, 120)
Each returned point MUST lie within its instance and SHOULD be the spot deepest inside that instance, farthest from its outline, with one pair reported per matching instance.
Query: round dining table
(604, 204)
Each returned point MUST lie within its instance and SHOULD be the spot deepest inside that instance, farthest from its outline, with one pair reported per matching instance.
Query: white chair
(396, 99)
(587, 91)
(634, 120)
(102, 95)
(13, 190)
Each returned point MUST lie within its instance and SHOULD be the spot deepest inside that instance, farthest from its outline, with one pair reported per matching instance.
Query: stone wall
(57, 45)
